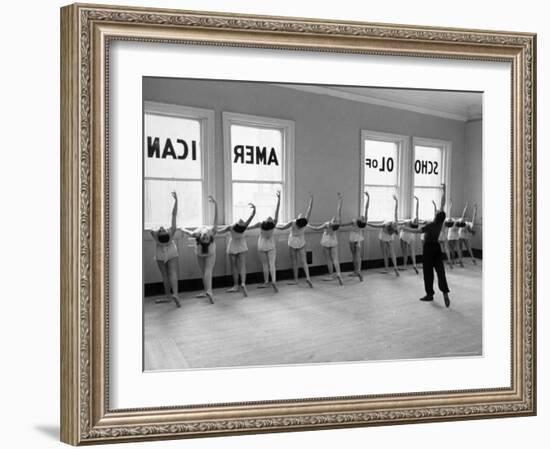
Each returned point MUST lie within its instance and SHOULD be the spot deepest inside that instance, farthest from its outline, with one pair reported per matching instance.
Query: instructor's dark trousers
(433, 259)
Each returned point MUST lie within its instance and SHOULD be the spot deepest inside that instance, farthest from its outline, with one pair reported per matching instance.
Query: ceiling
(455, 105)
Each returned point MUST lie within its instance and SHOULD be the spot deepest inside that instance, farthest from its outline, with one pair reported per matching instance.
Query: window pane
(256, 154)
(380, 163)
(427, 166)
(158, 203)
(381, 205)
(172, 147)
(425, 206)
(261, 195)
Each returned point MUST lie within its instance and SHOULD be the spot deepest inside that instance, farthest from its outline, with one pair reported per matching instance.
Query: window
(258, 154)
(381, 168)
(429, 172)
(177, 142)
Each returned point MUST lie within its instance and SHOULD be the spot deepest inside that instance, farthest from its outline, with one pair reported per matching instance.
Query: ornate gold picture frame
(87, 32)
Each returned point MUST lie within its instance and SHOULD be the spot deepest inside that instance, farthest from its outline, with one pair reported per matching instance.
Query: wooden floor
(378, 319)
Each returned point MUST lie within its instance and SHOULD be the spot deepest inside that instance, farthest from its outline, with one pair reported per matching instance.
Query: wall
(29, 181)
(473, 167)
(327, 136)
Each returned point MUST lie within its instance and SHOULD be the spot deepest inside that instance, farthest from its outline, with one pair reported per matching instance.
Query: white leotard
(266, 240)
(237, 242)
(384, 235)
(452, 233)
(166, 251)
(356, 234)
(464, 233)
(407, 236)
(329, 238)
(297, 237)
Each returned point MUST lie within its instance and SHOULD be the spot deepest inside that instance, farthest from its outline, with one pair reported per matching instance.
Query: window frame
(287, 127)
(446, 147)
(403, 156)
(206, 117)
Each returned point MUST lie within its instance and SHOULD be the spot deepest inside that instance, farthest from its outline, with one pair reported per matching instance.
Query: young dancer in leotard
(356, 238)
(465, 231)
(386, 236)
(329, 242)
(452, 236)
(266, 246)
(205, 251)
(237, 249)
(297, 242)
(166, 255)
(408, 240)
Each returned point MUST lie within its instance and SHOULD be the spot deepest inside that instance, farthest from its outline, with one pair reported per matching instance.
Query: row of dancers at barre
(454, 235)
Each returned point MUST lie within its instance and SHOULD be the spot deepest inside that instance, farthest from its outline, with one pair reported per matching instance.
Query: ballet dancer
(465, 231)
(329, 242)
(452, 236)
(237, 249)
(166, 255)
(356, 238)
(432, 258)
(408, 240)
(297, 242)
(386, 236)
(205, 251)
(266, 246)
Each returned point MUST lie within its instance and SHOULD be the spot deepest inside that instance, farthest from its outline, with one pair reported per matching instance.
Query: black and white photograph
(296, 224)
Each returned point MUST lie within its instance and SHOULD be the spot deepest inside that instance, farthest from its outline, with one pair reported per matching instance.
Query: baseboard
(157, 288)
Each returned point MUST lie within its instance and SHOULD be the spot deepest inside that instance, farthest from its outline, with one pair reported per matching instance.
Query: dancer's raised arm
(463, 216)
(444, 198)
(339, 211)
(174, 228)
(277, 208)
(215, 224)
(416, 209)
(471, 229)
(253, 207)
(395, 209)
(309, 206)
(366, 213)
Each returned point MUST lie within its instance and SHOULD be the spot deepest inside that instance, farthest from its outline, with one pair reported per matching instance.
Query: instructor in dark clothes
(432, 257)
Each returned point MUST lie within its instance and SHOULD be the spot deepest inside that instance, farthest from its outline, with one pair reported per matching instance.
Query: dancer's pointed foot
(233, 289)
(275, 288)
(309, 283)
(340, 281)
(244, 290)
(264, 285)
(415, 270)
(446, 299)
(176, 300)
(210, 297)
